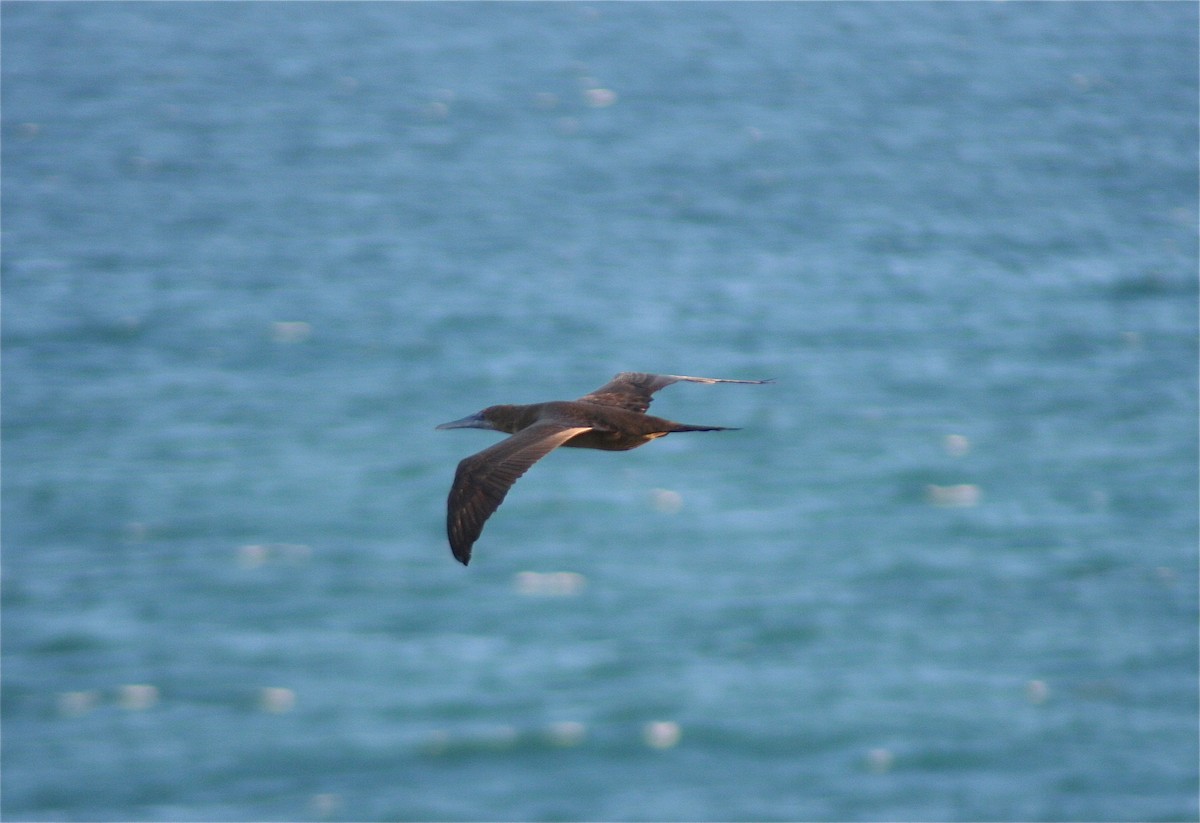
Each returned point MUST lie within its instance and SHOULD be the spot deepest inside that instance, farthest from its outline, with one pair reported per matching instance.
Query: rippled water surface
(946, 570)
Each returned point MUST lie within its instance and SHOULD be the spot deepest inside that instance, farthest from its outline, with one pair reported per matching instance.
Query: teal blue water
(945, 570)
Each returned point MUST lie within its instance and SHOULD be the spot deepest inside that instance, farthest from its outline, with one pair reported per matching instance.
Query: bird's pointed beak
(471, 421)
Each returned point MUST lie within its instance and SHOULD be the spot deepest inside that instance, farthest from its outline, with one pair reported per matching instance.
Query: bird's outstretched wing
(631, 390)
(483, 479)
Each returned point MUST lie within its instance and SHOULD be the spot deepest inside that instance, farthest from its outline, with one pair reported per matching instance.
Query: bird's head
(490, 419)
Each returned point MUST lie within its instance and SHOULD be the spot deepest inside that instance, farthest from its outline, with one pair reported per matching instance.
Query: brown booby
(613, 418)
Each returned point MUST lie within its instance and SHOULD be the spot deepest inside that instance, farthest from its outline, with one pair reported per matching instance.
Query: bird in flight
(613, 418)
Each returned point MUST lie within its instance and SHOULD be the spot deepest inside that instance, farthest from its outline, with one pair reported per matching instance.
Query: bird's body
(612, 418)
(609, 428)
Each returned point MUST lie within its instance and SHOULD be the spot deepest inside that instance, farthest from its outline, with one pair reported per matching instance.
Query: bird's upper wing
(483, 479)
(631, 390)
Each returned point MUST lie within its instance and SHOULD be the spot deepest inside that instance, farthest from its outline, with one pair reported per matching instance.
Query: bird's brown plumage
(613, 418)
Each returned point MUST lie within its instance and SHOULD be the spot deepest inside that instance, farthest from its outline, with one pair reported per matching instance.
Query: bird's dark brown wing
(483, 479)
(631, 390)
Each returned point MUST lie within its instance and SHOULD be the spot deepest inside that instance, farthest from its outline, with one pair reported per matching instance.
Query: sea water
(946, 570)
